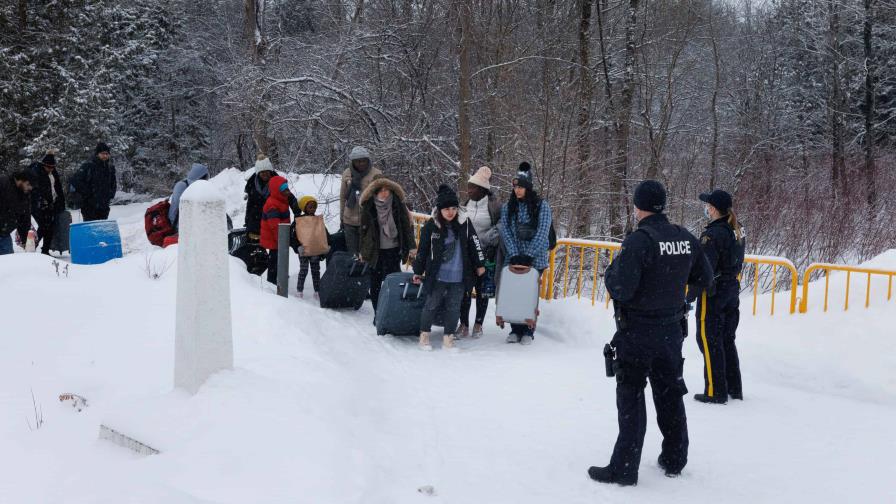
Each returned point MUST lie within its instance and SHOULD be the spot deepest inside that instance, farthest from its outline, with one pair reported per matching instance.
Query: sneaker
(317, 296)
(424, 342)
(605, 475)
(526, 340)
(448, 341)
(710, 400)
(463, 332)
(477, 331)
(301, 295)
(513, 338)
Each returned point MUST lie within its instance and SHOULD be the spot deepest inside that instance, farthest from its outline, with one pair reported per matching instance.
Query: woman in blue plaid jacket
(525, 228)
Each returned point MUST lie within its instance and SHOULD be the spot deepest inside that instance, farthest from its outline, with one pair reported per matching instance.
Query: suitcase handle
(351, 272)
(407, 285)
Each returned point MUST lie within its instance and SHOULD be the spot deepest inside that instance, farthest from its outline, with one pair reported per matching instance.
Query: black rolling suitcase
(400, 305)
(252, 254)
(337, 243)
(345, 282)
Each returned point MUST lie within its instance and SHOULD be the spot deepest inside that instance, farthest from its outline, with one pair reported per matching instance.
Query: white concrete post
(203, 337)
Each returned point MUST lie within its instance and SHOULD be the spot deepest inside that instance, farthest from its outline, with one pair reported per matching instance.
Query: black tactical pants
(717, 320)
(649, 352)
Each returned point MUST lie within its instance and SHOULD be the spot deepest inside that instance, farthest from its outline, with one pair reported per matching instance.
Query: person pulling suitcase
(448, 257)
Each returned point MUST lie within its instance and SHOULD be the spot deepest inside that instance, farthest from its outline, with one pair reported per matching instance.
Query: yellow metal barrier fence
(587, 270)
(828, 268)
(590, 270)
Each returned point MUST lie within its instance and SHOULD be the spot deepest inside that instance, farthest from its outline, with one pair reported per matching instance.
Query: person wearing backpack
(483, 212)
(448, 260)
(526, 230)
(197, 172)
(718, 307)
(275, 212)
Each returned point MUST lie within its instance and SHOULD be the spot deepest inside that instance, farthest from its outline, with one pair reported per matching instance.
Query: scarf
(261, 188)
(355, 188)
(388, 229)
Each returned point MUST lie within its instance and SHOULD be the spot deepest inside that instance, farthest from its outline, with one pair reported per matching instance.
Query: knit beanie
(102, 147)
(446, 198)
(650, 196)
(358, 153)
(49, 159)
(262, 163)
(482, 178)
(304, 200)
(524, 176)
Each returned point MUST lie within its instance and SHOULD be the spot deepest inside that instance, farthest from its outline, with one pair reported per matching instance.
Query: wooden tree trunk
(257, 45)
(714, 108)
(870, 135)
(464, 15)
(22, 8)
(619, 211)
(586, 96)
(837, 101)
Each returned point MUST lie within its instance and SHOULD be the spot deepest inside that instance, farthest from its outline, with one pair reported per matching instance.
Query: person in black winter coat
(256, 195)
(95, 184)
(15, 209)
(448, 257)
(647, 281)
(718, 307)
(47, 198)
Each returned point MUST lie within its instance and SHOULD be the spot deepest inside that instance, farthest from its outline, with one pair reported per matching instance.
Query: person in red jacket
(276, 212)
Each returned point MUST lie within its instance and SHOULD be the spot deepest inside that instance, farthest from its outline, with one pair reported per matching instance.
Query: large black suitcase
(252, 254)
(337, 243)
(345, 283)
(400, 305)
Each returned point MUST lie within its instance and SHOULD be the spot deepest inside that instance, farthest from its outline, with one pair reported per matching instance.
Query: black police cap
(719, 199)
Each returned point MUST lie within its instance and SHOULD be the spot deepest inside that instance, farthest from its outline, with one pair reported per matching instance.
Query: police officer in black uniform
(718, 307)
(647, 283)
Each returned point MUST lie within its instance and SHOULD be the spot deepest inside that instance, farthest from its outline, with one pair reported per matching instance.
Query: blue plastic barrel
(95, 242)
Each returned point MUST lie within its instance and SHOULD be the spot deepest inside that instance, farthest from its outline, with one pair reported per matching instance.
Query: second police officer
(718, 306)
(647, 283)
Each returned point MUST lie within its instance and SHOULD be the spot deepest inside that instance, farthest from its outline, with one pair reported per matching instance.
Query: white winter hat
(263, 164)
(358, 153)
(482, 178)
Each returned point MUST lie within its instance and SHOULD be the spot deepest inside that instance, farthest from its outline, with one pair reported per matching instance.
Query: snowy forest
(790, 105)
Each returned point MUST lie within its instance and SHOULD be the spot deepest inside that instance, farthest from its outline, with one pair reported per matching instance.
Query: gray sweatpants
(352, 239)
(445, 296)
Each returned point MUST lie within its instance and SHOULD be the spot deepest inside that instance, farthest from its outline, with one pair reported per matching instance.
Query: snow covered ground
(319, 409)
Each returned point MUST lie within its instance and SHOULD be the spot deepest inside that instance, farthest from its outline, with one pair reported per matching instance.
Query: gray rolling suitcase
(61, 231)
(399, 306)
(517, 296)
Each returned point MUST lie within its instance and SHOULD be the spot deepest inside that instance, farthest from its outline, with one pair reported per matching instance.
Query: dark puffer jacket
(95, 184)
(370, 226)
(15, 208)
(42, 203)
(432, 248)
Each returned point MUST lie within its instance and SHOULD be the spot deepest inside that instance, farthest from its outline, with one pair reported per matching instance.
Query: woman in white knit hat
(484, 211)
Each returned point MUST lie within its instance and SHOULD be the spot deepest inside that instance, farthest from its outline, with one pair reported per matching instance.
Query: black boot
(710, 400)
(671, 472)
(605, 475)
(739, 396)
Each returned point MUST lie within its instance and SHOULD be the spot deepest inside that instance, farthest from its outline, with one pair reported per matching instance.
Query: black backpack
(532, 227)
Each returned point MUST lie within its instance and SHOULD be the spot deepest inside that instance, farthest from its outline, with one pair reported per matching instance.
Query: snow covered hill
(319, 409)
